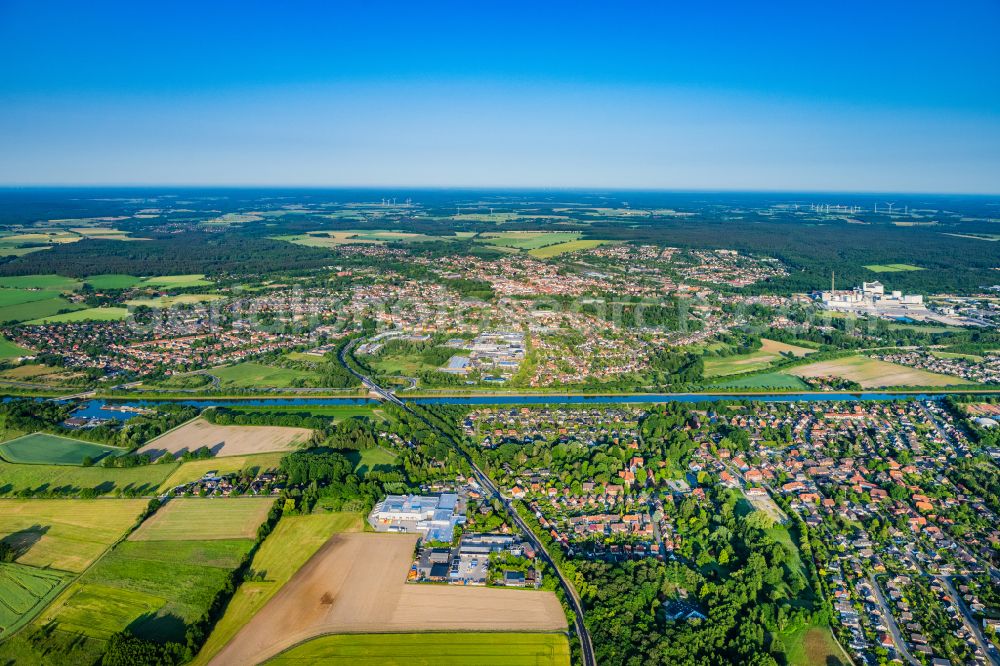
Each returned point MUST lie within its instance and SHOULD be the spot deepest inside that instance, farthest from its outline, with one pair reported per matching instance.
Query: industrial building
(433, 516)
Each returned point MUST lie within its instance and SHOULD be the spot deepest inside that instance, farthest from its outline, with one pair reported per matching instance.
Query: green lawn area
(767, 380)
(36, 309)
(813, 645)
(256, 375)
(195, 469)
(88, 314)
(562, 248)
(112, 281)
(24, 591)
(9, 350)
(65, 534)
(970, 357)
(183, 519)
(893, 268)
(289, 546)
(177, 281)
(69, 479)
(46, 449)
(457, 649)
(368, 459)
(54, 282)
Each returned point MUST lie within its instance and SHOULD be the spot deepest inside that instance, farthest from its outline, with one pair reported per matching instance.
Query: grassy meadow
(65, 534)
(24, 591)
(70, 480)
(431, 649)
(254, 375)
(184, 519)
(43, 448)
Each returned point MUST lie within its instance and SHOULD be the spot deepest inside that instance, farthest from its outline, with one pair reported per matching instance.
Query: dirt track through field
(226, 440)
(356, 583)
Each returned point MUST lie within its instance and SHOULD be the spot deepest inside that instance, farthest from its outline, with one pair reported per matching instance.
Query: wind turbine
(890, 205)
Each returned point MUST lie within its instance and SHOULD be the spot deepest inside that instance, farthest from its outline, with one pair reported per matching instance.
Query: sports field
(43, 448)
(65, 534)
(444, 649)
(769, 352)
(24, 591)
(226, 440)
(873, 373)
(195, 469)
(257, 375)
(87, 314)
(287, 548)
(112, 281)
(10, 350)
(356, 583)
(205, 519)
(893, 268)
(562, 248)
(70, 479)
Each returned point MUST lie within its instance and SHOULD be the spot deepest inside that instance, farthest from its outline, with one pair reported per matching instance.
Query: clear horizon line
(525, 188)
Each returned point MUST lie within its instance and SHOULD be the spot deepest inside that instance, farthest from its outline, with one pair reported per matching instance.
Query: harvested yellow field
(65, 534)
(205, 519)
(873, 373)
(356, 583)
(226, 440)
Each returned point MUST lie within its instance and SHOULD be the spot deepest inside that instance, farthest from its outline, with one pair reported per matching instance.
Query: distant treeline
(191, 252)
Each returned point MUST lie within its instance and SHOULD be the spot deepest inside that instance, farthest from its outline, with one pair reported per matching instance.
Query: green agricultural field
(770, 351)
(37, 309)
(205, 519)
(367, 460)
(873, 373)
(112, 281)
(332, 239)
(289, 546)
(171, 301)
(256, 375)
(893, 268)
(813, 645)
(69, 480)
(177, 281)
(528, 240)
(550, 251)
(9, 297)
(53, 282)
(88, 314)
(155, 589)
(195, 469)
(65, 534)
(24, 591)
(43, 448)
(9, 350)
(768, 380)
(458, 649)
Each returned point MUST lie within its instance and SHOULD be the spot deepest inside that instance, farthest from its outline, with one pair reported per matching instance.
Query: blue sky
(890, 96)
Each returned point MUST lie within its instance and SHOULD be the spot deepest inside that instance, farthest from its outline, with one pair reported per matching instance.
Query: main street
(586, 647)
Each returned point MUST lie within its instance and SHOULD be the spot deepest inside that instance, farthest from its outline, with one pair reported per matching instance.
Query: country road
(573, 599)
